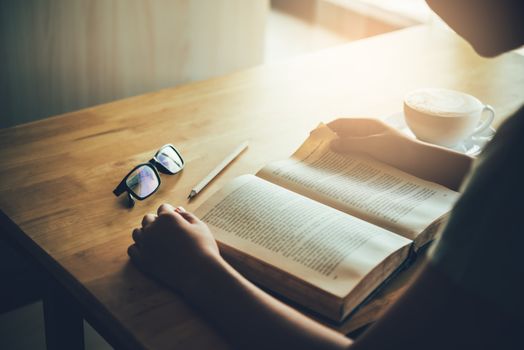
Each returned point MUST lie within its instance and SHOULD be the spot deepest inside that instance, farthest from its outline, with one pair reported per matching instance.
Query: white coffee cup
(445, 117)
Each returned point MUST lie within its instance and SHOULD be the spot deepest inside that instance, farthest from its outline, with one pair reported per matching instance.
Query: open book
(324, 229)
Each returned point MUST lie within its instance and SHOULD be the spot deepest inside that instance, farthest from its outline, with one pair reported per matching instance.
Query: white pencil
(217, 170)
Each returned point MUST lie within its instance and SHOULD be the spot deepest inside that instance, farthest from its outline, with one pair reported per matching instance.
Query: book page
(307, 239)
(361, 186)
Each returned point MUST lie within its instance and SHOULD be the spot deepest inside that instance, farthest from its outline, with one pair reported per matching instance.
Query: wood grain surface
(57, 175)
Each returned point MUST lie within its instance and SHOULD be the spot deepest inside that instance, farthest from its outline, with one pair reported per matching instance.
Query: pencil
(236, 152)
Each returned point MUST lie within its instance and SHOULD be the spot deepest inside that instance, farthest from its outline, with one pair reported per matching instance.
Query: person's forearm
(251, 318)
(435, 163)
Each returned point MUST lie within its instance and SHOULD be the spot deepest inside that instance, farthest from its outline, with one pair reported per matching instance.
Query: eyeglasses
(143, 180)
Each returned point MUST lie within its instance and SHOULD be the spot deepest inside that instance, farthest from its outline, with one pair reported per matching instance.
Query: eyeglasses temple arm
(120, 188)
(130, 200)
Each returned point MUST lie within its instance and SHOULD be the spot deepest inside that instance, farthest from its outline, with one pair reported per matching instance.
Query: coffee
(445, 117)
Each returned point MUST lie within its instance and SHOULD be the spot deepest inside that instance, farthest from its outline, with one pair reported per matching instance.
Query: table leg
(64, 324)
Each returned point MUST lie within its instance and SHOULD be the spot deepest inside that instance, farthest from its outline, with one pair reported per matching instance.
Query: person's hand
(388, 145)
(175, 247)
(370, 136)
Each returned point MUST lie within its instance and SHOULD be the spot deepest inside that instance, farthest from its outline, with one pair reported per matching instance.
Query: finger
(137, 235)
(190, 217)
(183, 220)
(135, 256)
(148, 219)
(357, 126)
(165, 208)
(166, 216)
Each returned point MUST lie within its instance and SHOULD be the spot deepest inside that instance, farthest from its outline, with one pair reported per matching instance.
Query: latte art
(445, 117)
(443, 103)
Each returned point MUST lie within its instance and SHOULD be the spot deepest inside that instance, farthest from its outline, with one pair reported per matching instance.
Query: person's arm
(252, 319)
(455, 301)
(384, 143)
(436, 313)
(178, 248)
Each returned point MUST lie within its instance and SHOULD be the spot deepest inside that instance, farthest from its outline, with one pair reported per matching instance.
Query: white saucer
(471, 146)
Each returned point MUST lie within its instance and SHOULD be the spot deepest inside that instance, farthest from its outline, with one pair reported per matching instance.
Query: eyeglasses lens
(143, 181)
(170, 159)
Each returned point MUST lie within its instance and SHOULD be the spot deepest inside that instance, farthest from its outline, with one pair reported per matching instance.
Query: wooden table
(57, 175)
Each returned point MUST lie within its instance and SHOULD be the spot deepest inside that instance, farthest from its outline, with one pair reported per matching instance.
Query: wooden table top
(57, 175)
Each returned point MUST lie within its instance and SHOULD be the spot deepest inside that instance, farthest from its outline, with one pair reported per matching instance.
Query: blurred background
(58, 56)
(62, 55)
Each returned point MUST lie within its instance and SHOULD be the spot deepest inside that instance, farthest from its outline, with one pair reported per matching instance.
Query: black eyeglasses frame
(156, 166)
